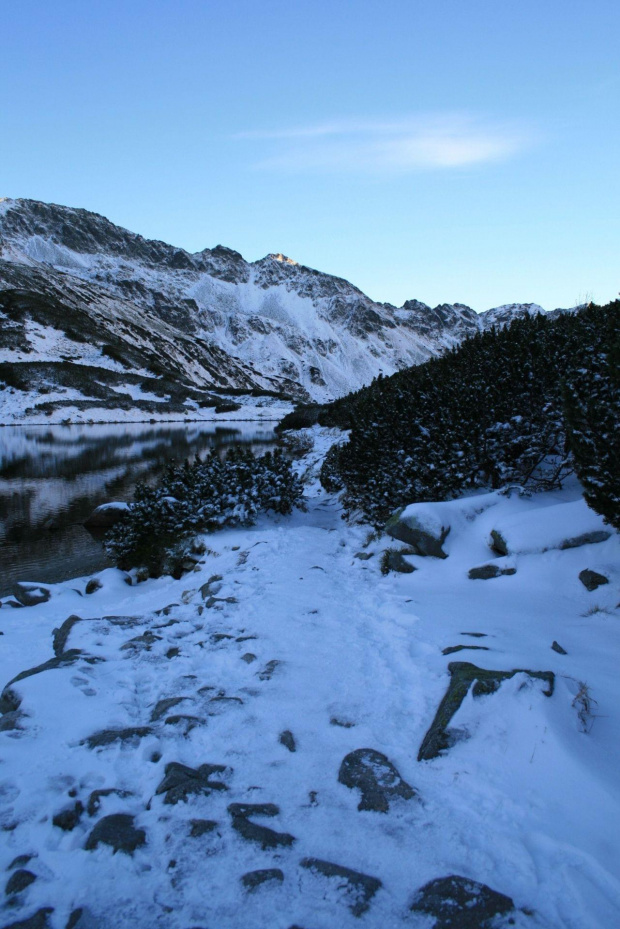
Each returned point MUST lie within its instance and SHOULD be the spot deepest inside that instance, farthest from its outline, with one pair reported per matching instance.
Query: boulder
(592, 579)
(38, 920)
(287, 739)
(93, 585)
(487, 571)
(459, 903)
(393, 560)
(18, 881)
(106, 515)
(253, 832)
(360, 887)
(482, 681)
(118, 832)
(541, 529)
(421, 528)
(30, 594)
(254, 879)
(180, 780)
(375, 777)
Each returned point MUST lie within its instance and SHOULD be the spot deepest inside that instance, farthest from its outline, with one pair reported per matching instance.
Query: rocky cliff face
(210, 318)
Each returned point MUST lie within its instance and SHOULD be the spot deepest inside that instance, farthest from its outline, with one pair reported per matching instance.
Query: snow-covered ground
(18, 407)
(301, 644)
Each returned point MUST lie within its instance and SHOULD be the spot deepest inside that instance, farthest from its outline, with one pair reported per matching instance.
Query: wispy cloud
(415, 144)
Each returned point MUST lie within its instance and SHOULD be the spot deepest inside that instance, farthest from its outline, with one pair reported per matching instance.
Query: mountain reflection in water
(52, 478)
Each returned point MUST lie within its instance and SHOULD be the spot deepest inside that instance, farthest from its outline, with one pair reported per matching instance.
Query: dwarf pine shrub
(202, 496)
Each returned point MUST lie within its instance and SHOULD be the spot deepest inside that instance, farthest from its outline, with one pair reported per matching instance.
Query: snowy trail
(300, 636)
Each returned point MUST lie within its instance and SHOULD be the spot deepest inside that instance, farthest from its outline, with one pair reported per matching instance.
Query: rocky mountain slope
(75, 288)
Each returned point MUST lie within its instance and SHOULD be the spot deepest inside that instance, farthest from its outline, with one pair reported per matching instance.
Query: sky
(433, 149)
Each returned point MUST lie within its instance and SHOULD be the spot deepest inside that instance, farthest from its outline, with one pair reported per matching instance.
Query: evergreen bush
(592, 399)
(202, 496)
(483, 415)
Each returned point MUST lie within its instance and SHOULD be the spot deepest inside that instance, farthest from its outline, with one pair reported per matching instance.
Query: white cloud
(423, 143)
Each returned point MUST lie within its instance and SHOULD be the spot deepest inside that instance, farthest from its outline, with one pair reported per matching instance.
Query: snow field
(525, 801)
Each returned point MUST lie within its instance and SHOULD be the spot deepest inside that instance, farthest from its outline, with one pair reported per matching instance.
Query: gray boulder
(106, 515)
(254, 879)
(360, 887)
(30, 594)
(592, 579)
(393, 560)
(487, 571)
(425, 537)
(459, 903)
(375, 777)
(117, 831)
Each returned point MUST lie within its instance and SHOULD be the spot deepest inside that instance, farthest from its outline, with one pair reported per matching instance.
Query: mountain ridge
(219, 321)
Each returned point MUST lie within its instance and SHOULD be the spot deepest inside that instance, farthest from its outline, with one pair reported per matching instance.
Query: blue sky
(439, 149)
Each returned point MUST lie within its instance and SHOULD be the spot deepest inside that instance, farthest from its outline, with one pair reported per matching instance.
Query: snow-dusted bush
(486, 414)
(593, 416)
(201, 497)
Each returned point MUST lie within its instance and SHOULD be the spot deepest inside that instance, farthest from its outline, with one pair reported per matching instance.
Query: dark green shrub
(592, 399)
(201, 497)
(486, 414)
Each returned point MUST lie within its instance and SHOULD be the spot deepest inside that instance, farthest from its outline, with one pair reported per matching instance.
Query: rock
(20, 861)
(363, 556)
(249, 657)
(201, 827)
(117, 831)
(173, 653)
(83, 918)
(61, 635)
(267, 673)
(18, 881)
(10, 700)
(30, 594)
(487, 571)
(68, 819)
(343, 723)
(211, 587)
(360, 887)
(558, 648)
(422, 531)
(144, 641)
(287, 739)
(254, 879)
(37, 921)
(561, 526)
(592, 579)
(106, 515)
(252, 832)
(162, 706)
(181, 780)
(93, 585)
(108, 736)
(189, 722)
(94, 800)
(459, 903)
(376, 777)
(393, 560)
(10, 721)
(462, 676)
(498, 542)
(460, 648)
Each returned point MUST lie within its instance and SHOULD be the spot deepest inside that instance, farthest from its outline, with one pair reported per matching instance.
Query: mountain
(75, 288)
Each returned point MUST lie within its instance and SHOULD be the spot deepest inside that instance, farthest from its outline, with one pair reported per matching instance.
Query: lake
(52, 478)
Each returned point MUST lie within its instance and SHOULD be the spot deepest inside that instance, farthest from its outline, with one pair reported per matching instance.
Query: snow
(527, 803)
(18, 407)
(540, 529)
